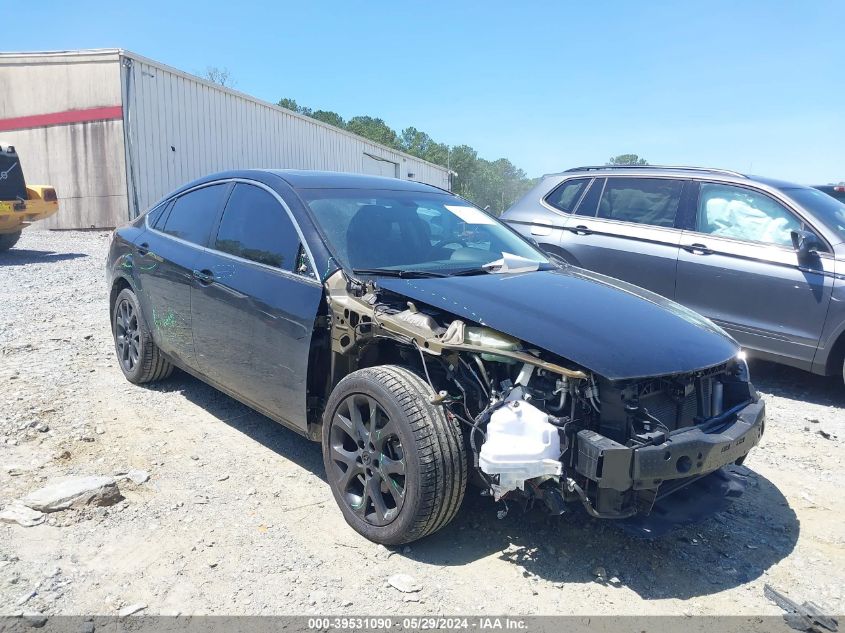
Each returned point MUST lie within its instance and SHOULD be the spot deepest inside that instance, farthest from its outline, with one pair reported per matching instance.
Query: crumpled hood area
(617, 330)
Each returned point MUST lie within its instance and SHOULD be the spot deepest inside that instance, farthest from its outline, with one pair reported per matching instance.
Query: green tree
(374, 129)
(627, 159)
(495, 185)
(327, 116)
(421, 145)
(289, 104)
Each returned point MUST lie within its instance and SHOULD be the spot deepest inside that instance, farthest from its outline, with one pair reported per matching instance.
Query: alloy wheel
(368, 460)
(127, 335)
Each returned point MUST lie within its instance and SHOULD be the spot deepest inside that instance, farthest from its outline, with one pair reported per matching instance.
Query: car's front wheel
(396, 465)
(140, 359)
(8, 240)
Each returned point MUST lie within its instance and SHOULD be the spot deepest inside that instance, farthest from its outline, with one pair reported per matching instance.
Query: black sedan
(426, 344)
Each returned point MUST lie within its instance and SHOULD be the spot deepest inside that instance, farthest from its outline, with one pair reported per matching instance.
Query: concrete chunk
(74, 492)
(18, 513)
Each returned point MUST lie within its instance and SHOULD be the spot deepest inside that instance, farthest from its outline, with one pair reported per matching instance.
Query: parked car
(835, 191)
(762, 258)
(20, 204)
(425, 343)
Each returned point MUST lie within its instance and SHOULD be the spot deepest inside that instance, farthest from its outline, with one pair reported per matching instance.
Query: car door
(738, 266)
(165, 256)
(253, 305)
(625, 227)
(543, 221)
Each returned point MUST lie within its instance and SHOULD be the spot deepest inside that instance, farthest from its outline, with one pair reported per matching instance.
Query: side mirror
(806, 243)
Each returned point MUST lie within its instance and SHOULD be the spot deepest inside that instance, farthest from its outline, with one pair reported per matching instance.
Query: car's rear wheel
(396, 465)
(8, 240)
(139, 358)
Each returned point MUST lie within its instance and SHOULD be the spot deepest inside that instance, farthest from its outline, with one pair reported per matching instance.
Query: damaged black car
(429, 348)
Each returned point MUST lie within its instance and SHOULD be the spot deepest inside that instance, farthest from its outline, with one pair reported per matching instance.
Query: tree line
(494, 185)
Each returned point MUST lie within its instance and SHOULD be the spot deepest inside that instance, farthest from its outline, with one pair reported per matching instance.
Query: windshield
(828, 210)
(380, 230)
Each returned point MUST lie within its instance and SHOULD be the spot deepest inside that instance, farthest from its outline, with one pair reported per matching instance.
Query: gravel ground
(236, 517)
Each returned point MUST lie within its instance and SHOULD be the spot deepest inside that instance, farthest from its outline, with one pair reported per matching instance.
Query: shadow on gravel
(729, 549)
(21, 257)
(257, 427)
(789, 382)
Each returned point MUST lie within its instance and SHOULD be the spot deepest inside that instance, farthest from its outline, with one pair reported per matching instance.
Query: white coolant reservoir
(520, 445)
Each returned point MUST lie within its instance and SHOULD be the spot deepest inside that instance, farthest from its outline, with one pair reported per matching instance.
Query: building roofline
(274, 106)
(122, 52)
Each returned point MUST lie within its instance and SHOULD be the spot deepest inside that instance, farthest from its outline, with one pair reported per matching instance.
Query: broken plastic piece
(801, 617)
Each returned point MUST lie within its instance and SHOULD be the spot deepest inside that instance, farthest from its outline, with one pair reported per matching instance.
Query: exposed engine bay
(540, 428)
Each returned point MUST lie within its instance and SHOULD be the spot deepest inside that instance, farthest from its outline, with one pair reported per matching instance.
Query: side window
(652, 201)
(744, 214)
(590, 201)
(192, 215)
(566, 196)
(159, 215)
(256, 227)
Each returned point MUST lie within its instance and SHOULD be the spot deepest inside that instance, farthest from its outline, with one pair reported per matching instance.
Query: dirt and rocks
(222, 511)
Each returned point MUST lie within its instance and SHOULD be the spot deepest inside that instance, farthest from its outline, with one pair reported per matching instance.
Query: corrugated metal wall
(84, 161)
(175, 128)
(181, 128)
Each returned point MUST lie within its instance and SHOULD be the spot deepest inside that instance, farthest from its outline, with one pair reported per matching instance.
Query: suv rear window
(652, 201)
(566, 196)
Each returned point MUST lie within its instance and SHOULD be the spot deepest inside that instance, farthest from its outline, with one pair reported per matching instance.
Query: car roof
(307, 179)
(680, 170)
(640, 170)
(777, 183)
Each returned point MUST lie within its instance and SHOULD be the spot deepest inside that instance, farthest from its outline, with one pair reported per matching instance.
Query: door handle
(580, 230)
(143, 249)
(698, 249)
(205, 277)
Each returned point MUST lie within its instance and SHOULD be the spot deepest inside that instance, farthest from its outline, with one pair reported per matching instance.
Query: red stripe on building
(103, 113)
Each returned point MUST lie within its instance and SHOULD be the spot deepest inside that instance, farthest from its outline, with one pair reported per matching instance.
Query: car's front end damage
(546, 427)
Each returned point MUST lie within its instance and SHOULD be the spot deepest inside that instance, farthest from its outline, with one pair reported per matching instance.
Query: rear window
(194, 213)
(652, 201)
(566, 196)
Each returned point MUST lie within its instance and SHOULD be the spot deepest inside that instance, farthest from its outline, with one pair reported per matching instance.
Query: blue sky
(757, 86)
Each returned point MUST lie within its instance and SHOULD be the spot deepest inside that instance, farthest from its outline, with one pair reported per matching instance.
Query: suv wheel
(8, 240)
(139, 358)
(396, 466)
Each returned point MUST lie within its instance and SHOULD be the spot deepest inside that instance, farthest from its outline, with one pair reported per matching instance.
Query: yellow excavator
(20, 204)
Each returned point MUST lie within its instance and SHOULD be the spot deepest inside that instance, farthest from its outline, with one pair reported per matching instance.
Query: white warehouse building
(114, 132)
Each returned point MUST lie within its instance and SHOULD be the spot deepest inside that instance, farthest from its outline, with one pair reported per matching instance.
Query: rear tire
(139, 358)
(8, 240)
(396, 465)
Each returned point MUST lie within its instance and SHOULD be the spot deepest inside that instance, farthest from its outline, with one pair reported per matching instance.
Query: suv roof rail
(712, 170)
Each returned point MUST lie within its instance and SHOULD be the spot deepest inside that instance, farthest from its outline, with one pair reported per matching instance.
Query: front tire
(8, 240)
(139, 358)
(396, 465)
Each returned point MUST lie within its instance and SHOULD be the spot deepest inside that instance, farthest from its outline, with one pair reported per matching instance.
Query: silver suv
(765, 259)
